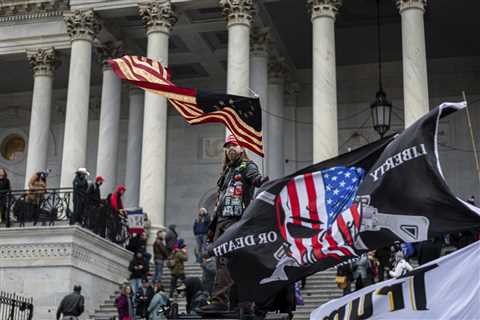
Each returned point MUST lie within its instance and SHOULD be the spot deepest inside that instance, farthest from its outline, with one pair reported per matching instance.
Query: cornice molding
(30, 16)
(27, 7)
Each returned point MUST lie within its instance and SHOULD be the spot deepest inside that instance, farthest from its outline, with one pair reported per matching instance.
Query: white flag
(447, 288)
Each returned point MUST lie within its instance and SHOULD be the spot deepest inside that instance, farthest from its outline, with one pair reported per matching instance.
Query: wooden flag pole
(472, 136)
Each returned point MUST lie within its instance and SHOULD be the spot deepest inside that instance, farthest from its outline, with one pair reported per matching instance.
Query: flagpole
(472, 136)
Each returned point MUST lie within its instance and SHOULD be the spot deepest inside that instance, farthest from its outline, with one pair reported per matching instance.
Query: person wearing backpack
(176, 263)
(72, 305)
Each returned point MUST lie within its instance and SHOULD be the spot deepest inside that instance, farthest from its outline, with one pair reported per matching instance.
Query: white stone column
(43, 63)
(134, 147)
(109, 126)
(275, 157)
(159, 19)
(239, 15)
(259, 78)
(325, 128)
(82, 27)
(415, 78)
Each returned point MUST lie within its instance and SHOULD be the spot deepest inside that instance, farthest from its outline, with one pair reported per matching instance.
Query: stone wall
(46, 262)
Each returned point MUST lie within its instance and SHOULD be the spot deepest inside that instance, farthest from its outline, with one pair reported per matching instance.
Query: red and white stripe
(304, 196)
(152, 76)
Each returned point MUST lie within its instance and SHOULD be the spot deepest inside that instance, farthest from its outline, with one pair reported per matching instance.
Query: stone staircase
(319, 289)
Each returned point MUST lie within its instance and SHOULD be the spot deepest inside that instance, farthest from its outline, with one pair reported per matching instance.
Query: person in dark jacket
(138, 271)
(80, 187)
(200, 230)
(96, 217)
(160, 254)
(4, 189)
(171, 238)
(195, 294)
(72, 305)
(236, 187)
(143, 296)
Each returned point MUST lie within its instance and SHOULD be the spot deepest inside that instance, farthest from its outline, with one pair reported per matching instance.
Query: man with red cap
(236, 187)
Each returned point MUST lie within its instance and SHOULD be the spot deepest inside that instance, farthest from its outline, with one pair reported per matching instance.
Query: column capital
(259, 41)
(43, 61)
(82, 25)
(157, 16)
(238, 11)
(277, 69)
(411, 4)
(108, 50)
(324, 8)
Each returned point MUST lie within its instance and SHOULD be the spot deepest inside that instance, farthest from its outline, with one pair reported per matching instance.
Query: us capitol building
(314, 64)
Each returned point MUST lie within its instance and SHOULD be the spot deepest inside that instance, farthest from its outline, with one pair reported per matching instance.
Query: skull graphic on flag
(317, 215)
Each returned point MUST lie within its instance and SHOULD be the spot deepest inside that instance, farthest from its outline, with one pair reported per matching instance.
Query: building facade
(312, 62)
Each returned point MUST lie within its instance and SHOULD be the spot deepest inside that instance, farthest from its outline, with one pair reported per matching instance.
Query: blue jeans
(136, 285)
(158, 270)
(201, 245)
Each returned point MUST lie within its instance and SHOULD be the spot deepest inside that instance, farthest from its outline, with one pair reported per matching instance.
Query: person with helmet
(236, 186)
(72, 305)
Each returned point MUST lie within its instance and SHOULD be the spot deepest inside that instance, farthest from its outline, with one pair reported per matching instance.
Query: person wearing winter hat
(236, 186)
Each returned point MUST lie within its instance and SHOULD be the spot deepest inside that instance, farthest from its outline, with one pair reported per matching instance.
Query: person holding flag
(236, 187)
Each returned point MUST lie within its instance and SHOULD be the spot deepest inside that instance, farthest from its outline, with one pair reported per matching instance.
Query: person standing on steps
(72, 305)
(236, 186)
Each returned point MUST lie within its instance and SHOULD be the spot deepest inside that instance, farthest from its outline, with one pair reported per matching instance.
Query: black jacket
(136, 271)
(4, 188)
(93, 193)
(250, 178)
(72, 304)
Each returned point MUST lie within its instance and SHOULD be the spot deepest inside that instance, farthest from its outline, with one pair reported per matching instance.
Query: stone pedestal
(46, 262)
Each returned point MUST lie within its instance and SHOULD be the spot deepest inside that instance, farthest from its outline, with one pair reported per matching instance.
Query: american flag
(320, 217)
(241, 115)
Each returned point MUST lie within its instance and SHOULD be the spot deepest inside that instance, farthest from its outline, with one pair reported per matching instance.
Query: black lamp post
(381, 108)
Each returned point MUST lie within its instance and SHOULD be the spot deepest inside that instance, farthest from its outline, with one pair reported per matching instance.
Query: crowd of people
(397, 260)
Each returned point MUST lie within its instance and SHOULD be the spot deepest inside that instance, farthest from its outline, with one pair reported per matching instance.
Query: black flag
(405, 196)
(318, 217)
(286, 234)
